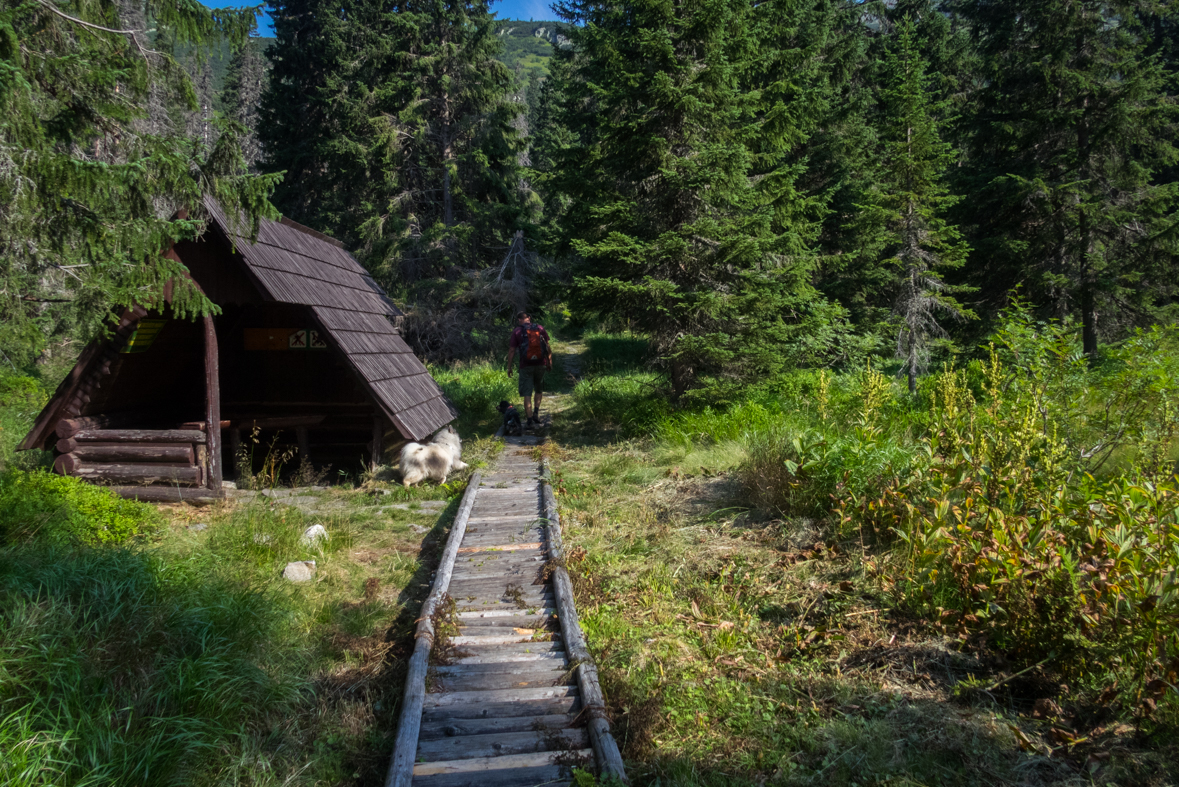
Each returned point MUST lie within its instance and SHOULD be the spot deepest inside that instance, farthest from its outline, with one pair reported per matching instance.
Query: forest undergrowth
(838, 583)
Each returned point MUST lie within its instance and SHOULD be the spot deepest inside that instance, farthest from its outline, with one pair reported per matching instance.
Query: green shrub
(122, 670)
(1016, 525)
(42, 505)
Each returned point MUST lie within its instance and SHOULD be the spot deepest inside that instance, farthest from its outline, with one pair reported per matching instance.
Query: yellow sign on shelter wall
(283, 339)
(144, 336)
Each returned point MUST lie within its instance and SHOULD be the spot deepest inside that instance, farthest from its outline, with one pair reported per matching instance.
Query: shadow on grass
(380, 688)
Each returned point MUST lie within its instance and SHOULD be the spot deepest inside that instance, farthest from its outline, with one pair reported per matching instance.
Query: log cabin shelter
(305, 355)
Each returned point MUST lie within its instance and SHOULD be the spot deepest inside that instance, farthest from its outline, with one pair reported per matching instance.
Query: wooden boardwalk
(506, 694)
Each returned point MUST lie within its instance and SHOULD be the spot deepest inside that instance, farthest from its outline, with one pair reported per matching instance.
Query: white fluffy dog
(434, 460)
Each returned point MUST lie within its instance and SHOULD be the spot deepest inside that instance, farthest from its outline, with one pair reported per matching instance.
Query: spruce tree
(461, 198)
(241, 95)
(1070, 124)
(319, 121)
(673, 236)
(89, 189)
(910, 206)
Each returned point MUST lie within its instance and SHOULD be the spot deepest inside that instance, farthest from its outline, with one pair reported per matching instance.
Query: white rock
(229, 485)
(313, 535)
(302, 571)
(262, 539)
(199, 526)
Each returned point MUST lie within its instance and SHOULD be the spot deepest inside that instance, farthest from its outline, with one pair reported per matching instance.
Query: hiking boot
(533, 421)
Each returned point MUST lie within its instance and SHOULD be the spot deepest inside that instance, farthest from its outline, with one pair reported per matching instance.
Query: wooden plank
(491, 639)
(181, 453)
(168, 494)
(492, 548)
(130, 473)
(552, 706)
(484, 764)
(502, 744)
(507, 668)
(498, 627)
(525, 651)
(543, 776)
(500, 613)
(455, 727)
(462, 587)
(138, 436)
(400, 772)
(497, 696)
(483, 682)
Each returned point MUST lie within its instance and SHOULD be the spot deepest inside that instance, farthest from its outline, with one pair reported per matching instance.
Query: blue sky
(504, 9)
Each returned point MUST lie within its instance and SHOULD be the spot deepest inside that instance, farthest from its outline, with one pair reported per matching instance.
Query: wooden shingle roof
(296, 265)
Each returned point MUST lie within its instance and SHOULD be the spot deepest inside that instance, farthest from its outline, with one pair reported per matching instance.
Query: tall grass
(116, 668)
(476, 388)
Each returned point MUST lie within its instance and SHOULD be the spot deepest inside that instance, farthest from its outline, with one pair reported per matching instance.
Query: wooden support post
(378, 439)
(212, 404)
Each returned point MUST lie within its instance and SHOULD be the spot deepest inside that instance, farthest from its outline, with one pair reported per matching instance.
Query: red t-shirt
(518, 340)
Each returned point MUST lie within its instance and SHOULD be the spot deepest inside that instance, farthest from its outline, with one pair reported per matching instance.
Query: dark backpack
(534, 349)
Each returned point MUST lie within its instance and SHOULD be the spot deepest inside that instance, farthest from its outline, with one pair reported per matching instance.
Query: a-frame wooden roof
(292, 264)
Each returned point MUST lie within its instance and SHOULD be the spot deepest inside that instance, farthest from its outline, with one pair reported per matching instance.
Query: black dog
(512, 424)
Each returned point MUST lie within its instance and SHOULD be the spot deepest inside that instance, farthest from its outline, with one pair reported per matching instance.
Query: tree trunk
(912, 364)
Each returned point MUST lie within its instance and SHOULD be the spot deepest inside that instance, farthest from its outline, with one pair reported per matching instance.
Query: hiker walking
(532, 342)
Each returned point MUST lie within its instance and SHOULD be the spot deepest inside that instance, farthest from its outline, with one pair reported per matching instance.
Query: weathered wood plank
(181, 453)
(501, 744)
(493, 681)
(109, 473)
(467, 617)
(548, 706)
(168, 494)
(524, 651)
(137, 436)
(496, 763)
(497, 696)
(531, 618)
(491, 639)
(536, 546)
(507, 668)
(455, 727)
(544, 776)
(496, 602)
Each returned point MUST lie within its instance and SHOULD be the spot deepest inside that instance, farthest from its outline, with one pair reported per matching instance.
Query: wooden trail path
(511, 697)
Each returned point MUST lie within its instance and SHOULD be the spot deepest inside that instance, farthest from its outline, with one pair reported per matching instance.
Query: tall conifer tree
(672, 234)
(911, 203)
(460, 200)
(317, 115)
(1070, 124)
(89, 188)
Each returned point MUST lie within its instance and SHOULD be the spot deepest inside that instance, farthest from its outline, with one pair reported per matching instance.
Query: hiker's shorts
(531, 379)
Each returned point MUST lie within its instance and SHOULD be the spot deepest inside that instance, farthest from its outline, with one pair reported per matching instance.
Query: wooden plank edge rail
(593, 703)
(410, 721)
